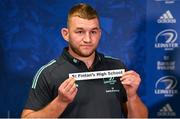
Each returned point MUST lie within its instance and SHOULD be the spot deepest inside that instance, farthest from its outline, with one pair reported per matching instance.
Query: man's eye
(79, 32)
(93, 32)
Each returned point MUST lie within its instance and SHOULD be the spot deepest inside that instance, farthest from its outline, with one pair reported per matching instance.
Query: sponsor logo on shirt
(110, 85)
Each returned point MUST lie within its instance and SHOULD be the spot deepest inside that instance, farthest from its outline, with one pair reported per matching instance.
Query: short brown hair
(82, 10)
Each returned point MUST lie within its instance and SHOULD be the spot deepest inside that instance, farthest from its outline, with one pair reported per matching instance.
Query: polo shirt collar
(70, 58)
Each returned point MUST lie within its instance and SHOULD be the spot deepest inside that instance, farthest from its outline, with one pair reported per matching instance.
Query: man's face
(84, 36)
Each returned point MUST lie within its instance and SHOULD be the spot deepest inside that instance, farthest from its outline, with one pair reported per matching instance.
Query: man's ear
(65, 34)
(100, 32)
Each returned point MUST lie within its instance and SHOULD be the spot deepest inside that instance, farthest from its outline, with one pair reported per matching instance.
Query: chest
(98, 90)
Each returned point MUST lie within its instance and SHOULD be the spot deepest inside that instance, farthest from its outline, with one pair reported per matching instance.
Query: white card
(97, 74)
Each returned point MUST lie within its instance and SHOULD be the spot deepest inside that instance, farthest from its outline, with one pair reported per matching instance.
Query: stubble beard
(80, 53)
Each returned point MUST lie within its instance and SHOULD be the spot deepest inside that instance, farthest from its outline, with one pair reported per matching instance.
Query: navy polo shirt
(95, 98)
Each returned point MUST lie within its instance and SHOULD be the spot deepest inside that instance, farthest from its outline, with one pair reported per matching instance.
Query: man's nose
(87, 38)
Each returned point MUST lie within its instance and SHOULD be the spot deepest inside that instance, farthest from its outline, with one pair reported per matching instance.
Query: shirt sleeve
(40, 94)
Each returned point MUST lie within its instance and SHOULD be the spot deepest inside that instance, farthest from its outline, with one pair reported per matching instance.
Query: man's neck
(87, 60)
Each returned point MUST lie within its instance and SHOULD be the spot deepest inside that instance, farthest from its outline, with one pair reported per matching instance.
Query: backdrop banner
(144, 34)
(162, 66)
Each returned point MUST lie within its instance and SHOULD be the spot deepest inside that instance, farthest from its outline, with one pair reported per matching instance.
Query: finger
(69, 85)
(65, 83)
(130, 75)
(73, 88)
(131, 81)
(131, 72)
(127, 82)
(127, 77)
(74, 92)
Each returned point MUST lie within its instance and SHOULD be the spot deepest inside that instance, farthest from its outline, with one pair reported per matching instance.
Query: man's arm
(135, 107)
(66, 94)
(54, 109)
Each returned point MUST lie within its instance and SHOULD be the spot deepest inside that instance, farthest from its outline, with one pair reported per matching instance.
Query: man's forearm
(53, 109)
(136, 108)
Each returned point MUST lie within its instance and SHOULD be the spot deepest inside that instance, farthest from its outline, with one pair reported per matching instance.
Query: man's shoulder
(113, 61)
(54, 64)
(111, 58)
(50, 70)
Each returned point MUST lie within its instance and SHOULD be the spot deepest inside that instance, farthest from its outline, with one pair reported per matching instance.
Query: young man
(54, 94)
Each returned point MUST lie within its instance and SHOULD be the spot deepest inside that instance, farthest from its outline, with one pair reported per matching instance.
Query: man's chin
(86, 54)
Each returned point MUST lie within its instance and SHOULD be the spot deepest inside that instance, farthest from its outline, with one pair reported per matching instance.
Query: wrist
(60, 102)
(132, 98)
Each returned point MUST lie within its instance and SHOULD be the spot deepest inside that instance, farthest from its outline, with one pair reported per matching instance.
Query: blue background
(30, 37)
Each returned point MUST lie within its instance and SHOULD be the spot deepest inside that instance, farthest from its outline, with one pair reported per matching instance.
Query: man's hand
(131, 81)
(67, 91)
(135, 107)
